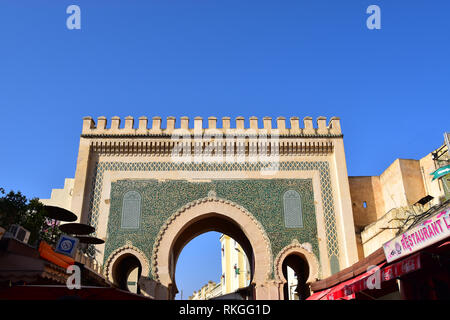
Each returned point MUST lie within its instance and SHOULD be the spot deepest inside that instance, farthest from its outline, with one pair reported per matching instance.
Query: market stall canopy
(57, 213)
(76, 228)
(90, 240)
(61, 292)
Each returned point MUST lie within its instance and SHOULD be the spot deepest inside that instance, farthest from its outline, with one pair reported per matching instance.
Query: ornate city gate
(280, 192)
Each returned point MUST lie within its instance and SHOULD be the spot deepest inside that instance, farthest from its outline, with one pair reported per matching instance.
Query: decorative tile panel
(131, 210)
(262, 197)
(293, 215)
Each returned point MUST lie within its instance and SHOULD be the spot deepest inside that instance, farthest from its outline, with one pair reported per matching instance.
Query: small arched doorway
(125, 266)
(296, 272)
(126, 272)
(296, 262)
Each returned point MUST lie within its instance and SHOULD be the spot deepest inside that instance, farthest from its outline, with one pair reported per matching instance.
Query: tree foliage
(15, 208)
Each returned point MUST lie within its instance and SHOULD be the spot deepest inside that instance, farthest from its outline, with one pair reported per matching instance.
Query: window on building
(131, 210)
(293, 217)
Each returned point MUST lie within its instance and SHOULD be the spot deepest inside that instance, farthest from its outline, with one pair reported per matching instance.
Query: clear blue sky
(391, 87)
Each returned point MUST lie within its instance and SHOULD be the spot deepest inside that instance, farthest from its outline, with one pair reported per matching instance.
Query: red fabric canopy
(338, 292)
(64, 293)
(346, 290)
(318, 295)
(445, 244)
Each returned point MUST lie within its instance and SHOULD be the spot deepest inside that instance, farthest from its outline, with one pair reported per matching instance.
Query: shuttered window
(293, 217)
(131, 210)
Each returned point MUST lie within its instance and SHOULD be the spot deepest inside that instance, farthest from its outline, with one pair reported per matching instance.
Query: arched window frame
(299, 212)
(123, 217)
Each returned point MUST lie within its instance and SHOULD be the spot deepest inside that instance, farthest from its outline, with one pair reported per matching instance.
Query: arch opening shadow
(211, 214)
(122, 269)
(297, 288)
(201, 225)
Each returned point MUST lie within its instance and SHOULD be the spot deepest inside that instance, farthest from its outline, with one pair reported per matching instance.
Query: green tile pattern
(131, 210)
(263, 198)
(293, 214)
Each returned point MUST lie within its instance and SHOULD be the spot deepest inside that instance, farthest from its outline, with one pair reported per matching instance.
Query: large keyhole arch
(210, 214)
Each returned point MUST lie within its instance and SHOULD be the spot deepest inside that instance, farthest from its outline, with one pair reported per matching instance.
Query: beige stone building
(61, 197)
(235, 266)
(208, 291)
(384, 205)
(235, 271)
(282, 191)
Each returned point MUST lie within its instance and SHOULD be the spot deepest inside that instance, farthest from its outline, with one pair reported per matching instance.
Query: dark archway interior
(122, 269)
(210, 222)
(301, 270)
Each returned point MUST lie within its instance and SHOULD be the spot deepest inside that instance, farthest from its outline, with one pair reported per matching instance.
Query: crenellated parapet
(240, 137)
(154, 127)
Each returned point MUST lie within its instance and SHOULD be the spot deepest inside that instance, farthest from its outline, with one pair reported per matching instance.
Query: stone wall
(389, 198)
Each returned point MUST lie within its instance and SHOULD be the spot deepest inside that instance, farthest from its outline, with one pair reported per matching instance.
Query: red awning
(445, 244)
(64, 293)
(318, 295)
(338, 292)
(369, 280)
(341, 292)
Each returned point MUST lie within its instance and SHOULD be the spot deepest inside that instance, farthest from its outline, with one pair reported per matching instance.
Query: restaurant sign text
(427, 233)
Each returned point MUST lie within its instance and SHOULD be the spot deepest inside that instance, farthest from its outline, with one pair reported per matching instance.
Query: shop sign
(67, 245)
(401, 268)
(432, 230)
(441, 172)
